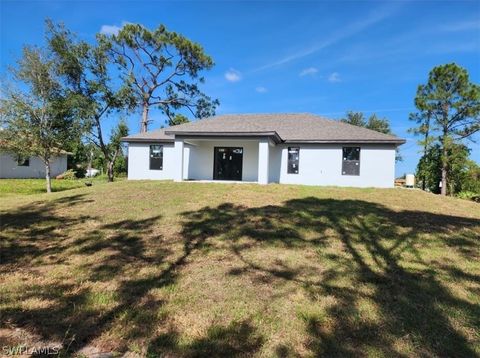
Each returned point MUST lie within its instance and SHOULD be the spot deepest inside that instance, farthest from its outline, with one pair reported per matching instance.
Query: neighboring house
(266, 148)
(14, 167)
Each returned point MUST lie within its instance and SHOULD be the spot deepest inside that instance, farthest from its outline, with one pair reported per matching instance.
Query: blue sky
(324, 57)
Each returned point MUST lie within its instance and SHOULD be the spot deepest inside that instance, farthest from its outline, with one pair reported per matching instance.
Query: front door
(227, 163)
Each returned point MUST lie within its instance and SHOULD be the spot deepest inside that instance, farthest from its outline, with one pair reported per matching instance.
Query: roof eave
(146, 140)
(347, 141)
(193, 134)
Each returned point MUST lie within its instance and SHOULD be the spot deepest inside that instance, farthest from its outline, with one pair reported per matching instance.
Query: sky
(322, 57)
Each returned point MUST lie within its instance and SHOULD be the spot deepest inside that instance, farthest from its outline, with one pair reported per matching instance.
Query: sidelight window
(293, 159)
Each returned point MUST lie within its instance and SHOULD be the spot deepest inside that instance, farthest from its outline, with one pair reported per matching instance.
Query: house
(266, 148)
(14, 167)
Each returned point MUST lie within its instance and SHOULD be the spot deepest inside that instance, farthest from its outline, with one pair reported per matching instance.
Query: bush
(469, 195)
(68, 175)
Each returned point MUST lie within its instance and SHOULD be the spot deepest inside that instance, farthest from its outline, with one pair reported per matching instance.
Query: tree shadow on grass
(239, 339)
(68, 310)
(413, 304)
(36, 230)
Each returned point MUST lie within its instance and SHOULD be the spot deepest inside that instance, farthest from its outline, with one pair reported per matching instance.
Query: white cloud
(310, 71)
(334, 77)
(261, 89)
(109, 29)
(112, 29)
(233, 75)
(374, 17)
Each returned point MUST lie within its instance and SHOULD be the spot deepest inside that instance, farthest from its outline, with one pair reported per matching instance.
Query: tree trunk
(47, 176)
(444, 169)
(110, 171)
(144, 124)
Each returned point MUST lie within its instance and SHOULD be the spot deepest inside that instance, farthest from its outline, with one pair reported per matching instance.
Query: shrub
(469, 195)
(68, 175)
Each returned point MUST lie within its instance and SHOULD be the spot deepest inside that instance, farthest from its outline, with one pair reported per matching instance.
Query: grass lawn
(38, 186)
(34, 186)
(193, 269)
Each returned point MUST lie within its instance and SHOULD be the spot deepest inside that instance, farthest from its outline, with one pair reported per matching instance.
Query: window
(23, 161)
(293, 158)
(351, 161)
(156, 157)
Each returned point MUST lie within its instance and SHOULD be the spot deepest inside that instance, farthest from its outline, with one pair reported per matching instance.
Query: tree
(429, 168)
(355, 119)
(41, 118)
(162, 68)
(448, 110)
(115, 147)
(87, 70)
(423, 120)
(374, 123)
(178, 119)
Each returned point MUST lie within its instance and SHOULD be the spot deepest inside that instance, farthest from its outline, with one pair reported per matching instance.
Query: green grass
(34, 186)
(195, 269)
(38, 186)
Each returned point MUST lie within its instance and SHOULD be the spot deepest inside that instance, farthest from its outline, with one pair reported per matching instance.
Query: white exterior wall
(9, 169)
(321, 164)
(139, 162)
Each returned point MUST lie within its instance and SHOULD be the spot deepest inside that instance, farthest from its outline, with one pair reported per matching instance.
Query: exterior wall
(322, 165)
(275, 163)
(201, 159)
(319, 164)
(11, 170)
(139, 162)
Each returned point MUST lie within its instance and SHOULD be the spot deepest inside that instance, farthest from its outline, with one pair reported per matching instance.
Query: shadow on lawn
(412, 302)
(37, 230)
(37, 235)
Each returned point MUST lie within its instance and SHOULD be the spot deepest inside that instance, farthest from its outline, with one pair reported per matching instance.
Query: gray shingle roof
(284, 127)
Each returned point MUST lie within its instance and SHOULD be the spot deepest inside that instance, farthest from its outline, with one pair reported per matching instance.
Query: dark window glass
(156, 157)
(293, 159)
(23, 162)
(351, 161)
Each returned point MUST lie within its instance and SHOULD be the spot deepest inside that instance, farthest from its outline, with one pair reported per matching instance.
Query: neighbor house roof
(282, 127)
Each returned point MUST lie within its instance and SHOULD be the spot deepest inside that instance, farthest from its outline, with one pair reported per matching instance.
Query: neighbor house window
(351, 161)
(23, 161)
(156, 157)
(293, 158)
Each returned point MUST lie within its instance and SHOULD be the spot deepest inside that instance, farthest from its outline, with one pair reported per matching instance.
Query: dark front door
(227, 164)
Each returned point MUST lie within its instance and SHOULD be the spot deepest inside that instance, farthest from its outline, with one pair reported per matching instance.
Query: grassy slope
(196, 269)
(34, 186)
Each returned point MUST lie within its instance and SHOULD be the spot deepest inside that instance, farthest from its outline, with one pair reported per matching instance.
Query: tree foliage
(178, 119)
(41, 116)
(163, 70)
(463, 174)
(87, 70)
(375, 123)
(448, 111)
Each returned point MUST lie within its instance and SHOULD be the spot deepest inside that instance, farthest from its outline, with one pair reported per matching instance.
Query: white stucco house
(266, 148)
(14, 167)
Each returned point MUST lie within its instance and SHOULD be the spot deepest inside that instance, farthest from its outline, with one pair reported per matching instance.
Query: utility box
(410, 180)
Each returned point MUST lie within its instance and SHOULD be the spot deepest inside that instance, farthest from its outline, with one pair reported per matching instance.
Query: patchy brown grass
(192, 269)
